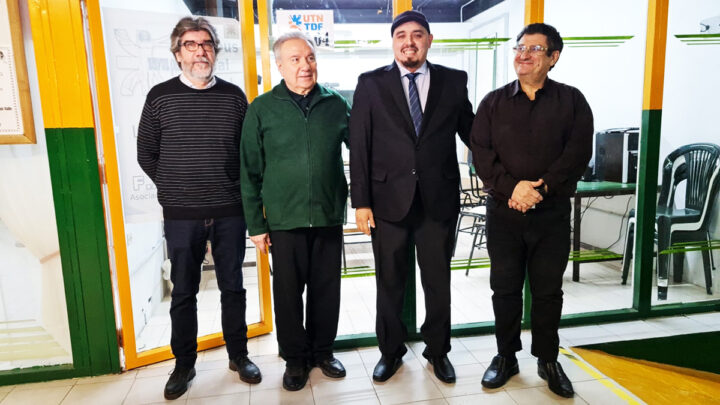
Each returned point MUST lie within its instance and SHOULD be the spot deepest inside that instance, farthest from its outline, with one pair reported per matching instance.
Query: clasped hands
(524, 196)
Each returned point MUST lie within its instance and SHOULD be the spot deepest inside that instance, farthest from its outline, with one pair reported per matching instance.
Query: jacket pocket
(379, 176)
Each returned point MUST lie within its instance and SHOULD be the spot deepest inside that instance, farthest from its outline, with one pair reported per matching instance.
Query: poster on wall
(16, 124)
(137, 45)
(316, 24)
(10, 115)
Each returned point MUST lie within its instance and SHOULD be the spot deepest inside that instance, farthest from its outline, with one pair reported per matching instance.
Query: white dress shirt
(422, 82)
(188, 83)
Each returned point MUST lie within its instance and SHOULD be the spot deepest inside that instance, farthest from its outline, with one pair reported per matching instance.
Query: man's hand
(262, 242)
(364, 220)
(525, 196)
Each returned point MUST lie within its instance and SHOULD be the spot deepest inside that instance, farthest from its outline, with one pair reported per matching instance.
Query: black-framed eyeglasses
(192, 46)
(534, 50)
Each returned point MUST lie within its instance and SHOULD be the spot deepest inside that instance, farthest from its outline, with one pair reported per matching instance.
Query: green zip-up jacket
(291, 165)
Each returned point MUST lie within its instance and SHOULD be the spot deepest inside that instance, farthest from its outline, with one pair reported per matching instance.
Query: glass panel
(361, 43)
(136, 35)
(604, 58)
(688, 231)
(34, 329)
(474, 38)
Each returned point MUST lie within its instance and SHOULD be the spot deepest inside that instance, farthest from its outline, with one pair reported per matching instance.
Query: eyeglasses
(192, 46)
(533, 50)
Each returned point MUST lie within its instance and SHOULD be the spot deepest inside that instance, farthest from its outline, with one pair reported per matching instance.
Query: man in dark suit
(404, 184)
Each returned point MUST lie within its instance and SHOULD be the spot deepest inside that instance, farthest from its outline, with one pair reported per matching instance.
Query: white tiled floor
(414, 382)
(599, 289)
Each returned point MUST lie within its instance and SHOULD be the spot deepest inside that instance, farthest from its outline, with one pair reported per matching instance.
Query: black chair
(698, 165)
(472, 205)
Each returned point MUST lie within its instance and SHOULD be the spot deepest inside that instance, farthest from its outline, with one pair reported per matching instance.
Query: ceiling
(355, 11)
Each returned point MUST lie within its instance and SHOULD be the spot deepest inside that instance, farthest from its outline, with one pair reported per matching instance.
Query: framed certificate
(16, 121)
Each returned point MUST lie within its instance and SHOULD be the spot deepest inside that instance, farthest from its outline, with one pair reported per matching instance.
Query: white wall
(611, 79)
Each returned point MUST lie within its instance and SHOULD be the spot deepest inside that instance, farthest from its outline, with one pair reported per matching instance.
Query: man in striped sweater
(188, 144)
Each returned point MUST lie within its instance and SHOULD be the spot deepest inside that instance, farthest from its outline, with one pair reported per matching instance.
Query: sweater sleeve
(148, 140)
(252, 167)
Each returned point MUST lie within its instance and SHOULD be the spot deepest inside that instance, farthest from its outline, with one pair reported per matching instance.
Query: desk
(592, 189)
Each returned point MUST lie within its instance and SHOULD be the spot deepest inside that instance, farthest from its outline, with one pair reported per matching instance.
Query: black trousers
(186, 242)
(391, 243)
(306, 257)
(538, 243)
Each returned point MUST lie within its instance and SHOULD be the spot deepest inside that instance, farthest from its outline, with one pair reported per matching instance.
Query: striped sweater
(188, 144)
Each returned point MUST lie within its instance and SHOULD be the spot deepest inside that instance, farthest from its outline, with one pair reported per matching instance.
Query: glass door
(130, 47)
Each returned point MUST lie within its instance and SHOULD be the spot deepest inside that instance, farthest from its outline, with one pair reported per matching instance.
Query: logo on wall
(710, 25)
(709, 33)
(316, 24)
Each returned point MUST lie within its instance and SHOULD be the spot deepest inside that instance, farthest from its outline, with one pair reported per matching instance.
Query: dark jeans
(537, 242)
(391, 243)
(306, 256)
(186, 241)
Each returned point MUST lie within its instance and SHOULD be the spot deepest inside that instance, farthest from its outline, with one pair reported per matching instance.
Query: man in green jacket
(294, 193)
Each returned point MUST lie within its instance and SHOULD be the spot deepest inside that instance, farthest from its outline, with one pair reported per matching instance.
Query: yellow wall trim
(247, 27)
(265, 27)
(400, 6)
(57, 34)
(655, 54)
(534, 11)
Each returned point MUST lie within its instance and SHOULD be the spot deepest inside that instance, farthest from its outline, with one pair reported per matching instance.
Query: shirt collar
(188, 83)
(422, 70)
(515, 89)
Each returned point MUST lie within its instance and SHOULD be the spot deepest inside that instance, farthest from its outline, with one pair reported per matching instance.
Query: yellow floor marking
(656, 383)
(599, 377)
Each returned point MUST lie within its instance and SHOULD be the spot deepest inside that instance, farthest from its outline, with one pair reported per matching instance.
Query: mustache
(409, 47)
(201, 59)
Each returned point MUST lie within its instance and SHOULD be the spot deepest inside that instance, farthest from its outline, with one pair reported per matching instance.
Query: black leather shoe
(442, 367)
(332, 368)
(248, 371)
(295, 377)
(386, 368)
(557, 380)
(500, 370)
(178, 382)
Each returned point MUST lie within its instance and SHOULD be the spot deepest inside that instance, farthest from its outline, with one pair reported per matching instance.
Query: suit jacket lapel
(434, 93)
(394, 84)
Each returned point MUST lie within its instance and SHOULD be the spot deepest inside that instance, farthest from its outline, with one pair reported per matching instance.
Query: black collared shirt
(303, 100)
(514, 138)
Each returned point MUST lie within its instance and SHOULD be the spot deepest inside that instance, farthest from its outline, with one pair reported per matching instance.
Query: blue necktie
(415, 108)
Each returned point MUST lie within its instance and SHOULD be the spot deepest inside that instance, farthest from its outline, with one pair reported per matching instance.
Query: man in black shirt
(531, 141)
